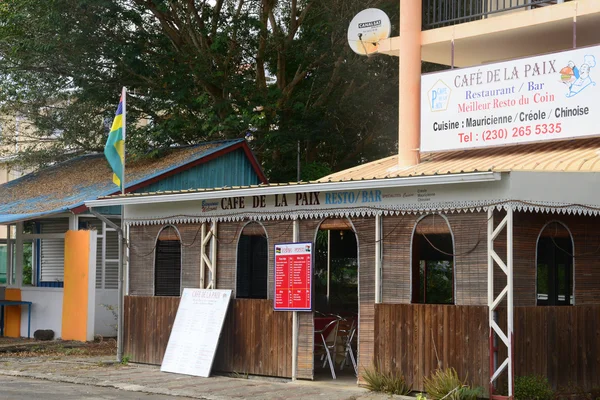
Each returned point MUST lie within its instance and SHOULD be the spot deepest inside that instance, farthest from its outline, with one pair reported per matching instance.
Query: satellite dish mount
(366, 29)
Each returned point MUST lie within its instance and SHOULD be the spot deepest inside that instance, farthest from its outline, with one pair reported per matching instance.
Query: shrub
(445, 384)
(469, 393)
(386, 382)
(533, 388)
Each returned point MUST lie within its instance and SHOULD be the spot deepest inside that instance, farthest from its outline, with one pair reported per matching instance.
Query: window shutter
(52, 251)
(111, 268)
(167, 266)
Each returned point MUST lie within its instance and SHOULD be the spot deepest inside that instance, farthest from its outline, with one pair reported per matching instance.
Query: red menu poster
(293, 277)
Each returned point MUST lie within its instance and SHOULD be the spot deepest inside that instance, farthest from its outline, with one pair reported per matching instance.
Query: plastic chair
(326, 345)
(347, 332)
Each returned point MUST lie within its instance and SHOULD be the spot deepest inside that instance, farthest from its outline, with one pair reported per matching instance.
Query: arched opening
(336, 268)
(252, 260)
(167, 263)
(432, 269)
(335, 300)
(555, 266)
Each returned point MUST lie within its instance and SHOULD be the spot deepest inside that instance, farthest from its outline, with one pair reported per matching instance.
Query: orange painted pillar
(12, 314)
(79, 286)
(409, 130)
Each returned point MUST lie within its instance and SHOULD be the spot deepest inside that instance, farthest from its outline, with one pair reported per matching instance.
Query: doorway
(335, 299)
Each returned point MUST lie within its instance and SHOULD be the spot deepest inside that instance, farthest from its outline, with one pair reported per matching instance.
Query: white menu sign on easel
(195, 334)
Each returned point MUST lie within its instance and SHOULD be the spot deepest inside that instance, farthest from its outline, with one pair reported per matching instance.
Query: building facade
(467, 249)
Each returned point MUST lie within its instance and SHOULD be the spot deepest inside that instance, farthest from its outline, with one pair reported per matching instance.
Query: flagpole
(122, 258)
(124, 96)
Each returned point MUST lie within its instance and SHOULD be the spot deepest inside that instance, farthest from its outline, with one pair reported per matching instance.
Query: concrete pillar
(410, 83)
(79, 298)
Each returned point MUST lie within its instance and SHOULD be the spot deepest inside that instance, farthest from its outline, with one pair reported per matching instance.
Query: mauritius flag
(115, 145)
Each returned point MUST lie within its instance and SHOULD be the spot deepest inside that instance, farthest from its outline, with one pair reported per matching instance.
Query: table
(4, 303)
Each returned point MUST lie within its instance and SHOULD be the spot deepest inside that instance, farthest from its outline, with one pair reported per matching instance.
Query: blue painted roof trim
(10, 218)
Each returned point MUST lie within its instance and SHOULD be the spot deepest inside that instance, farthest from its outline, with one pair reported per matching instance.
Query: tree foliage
(278, 72)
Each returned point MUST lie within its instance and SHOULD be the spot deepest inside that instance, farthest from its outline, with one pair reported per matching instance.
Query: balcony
(475, 32)
(439, 13)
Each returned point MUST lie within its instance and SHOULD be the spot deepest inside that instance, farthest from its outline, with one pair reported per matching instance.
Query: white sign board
(195, 334)
(542, 98)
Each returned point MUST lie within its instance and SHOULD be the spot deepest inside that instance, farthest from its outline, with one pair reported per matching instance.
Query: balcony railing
(438, 13)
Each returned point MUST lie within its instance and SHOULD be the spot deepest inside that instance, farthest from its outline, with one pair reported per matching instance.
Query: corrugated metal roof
(582, 155)
(67, 185)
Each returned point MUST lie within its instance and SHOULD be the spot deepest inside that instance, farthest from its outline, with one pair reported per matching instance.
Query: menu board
(195, 334)
(293, 277)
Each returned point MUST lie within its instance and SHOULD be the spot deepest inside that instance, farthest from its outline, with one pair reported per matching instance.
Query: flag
(115, 145)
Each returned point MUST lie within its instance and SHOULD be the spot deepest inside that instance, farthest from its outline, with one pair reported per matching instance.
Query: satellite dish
(367, 28)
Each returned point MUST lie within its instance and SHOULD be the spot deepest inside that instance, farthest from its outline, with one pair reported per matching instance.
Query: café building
(483, 256)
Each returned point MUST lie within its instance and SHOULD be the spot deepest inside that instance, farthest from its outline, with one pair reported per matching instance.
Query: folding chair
(326, 344)
(347, 331)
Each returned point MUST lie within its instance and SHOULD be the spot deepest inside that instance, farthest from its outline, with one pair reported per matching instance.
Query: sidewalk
(103, 371)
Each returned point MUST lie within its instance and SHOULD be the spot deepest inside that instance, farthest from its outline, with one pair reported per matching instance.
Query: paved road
(18, 388)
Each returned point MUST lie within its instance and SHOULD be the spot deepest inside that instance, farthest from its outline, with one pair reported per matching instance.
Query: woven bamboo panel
(190, 254)
(305, 345)
(277, 232)
(586, 265)
(396, 235)
(228, 235)
(470, 248)
(365, 237)
(527, 228)
(469, 231)
(142, 254)
(141, 259)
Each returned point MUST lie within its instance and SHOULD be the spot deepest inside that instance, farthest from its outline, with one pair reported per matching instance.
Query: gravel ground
(20, 347)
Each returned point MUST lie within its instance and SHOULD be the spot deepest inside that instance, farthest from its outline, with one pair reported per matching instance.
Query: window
(252, 257)
(3, 261)
(167, 264)
(555, 266)
(432, 262)
(108, 252)
(52, 253)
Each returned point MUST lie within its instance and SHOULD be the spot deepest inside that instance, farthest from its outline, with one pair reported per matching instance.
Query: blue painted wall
(231, 169)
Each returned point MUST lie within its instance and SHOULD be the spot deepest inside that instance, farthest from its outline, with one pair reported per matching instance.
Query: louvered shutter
(111, 267)
(96, 224)
(52, 251)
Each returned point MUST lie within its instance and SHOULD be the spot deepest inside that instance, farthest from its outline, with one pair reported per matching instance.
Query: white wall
(46, 310)
(105, 322)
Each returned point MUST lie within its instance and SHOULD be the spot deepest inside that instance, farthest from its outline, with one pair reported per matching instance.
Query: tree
(275, 71)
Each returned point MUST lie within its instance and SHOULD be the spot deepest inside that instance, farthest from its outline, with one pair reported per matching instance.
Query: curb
(121, 386)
